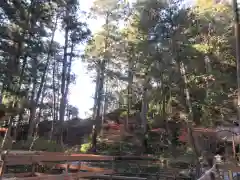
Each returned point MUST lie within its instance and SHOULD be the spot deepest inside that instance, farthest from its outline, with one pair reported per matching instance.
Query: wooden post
(233, 147)
(113, 168)
(2, 164)
(34, 166)
(79, 165)
(1, 169)
(230, 175)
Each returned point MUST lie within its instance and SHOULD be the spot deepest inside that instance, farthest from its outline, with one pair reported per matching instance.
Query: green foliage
(162, 52)
(39, 145)
(118, 148)
(200, 38)
(35, 66)
(85, 147)
(45, 145)
(125, 113)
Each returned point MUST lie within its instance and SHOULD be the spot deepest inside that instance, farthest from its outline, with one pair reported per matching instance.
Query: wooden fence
(73, 171)
(36, 159)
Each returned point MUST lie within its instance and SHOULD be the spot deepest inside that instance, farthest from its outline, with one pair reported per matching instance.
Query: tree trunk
(105, 106)
(54, 101)
(99, 103)
(96, 91)
(189, 119)
(208, 70)
(36, 101)
(143, 114)
(63, 81)
(68, 79)
(31, 120)
(35, 137)
(129, 91)
(102, 67)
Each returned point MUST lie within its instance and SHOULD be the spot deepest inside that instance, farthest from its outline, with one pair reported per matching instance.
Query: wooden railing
(36, 159)
(65, 162)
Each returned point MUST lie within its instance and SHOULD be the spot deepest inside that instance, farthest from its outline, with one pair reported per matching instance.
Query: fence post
(230, 175)
(113, 168)
(2, 165)
(79, 165)
(34, 165)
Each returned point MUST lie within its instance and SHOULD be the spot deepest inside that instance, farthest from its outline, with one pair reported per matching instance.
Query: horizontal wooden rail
(28, 159)
(131, 157)
(31, 159)
(167, 174)
(127, 157)
(67, 176)
(17, 175)
(13, 158)
(135, 158)
(81, 167)
(116, 177)
(226, 167)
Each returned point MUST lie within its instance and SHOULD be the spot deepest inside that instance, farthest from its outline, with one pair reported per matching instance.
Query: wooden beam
(67, 176)
(135, 158)
(82, 167)
(30, 159)
(116, 177)
(17, 175)
(231, 167)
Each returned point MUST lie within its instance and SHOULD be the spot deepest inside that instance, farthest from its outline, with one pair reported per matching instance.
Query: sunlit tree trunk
(189, 119)
(100, 87)
(96, 91)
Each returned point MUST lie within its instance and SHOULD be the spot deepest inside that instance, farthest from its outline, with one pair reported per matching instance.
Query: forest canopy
(169, 61)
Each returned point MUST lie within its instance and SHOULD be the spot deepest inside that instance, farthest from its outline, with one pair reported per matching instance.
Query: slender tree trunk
(63, 101)
(105, 105)
(68, 79)
(58, 84)
(54, 100)
(208, 70)
(144, 110)
(189, 119)
(96, 91)
(32, 108)
(143, 114)
(98, 110)
(35, 137)
(63, 81)
(129, 90)
(100, 88)
(36, 101)
(181, 67)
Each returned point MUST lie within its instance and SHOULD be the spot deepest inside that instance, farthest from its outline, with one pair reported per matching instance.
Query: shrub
(85, 147)
(39, 145)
